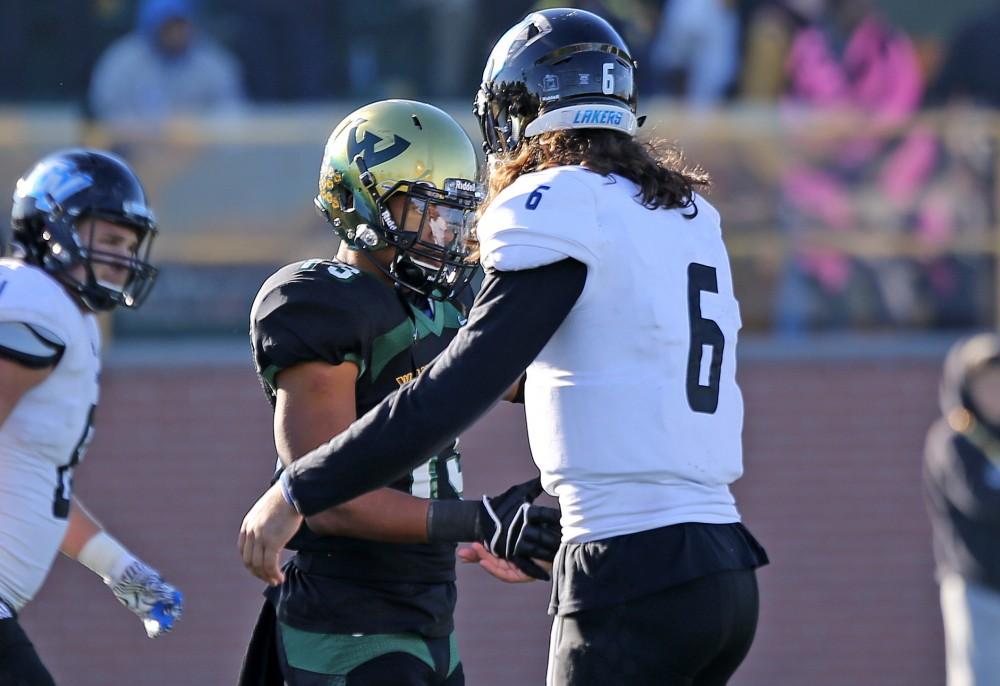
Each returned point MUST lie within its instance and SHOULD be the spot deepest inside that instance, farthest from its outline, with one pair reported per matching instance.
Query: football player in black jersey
(370, 593)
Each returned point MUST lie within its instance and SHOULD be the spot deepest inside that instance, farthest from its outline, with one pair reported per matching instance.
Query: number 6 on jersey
(704, 370)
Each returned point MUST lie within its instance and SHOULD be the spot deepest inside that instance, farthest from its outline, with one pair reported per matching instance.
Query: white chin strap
(593, 116)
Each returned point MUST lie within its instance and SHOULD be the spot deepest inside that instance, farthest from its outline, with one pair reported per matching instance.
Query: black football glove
(516, 530)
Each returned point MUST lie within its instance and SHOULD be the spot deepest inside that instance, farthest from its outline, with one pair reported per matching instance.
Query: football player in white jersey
(607, 279)
(82, 232)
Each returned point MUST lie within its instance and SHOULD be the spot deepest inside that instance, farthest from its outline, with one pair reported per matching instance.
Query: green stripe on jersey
(424, 324)
(358, 360)
(390, 344)
(338, 654)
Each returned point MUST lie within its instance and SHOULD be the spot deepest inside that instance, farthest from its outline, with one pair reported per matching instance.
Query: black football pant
(389, 669)
(19, 663)
(394, 669)
(267, 664)
(694, 634)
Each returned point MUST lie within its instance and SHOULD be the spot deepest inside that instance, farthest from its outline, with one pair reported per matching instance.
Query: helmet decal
(328, 183)
(52, 182)
(366, 145)
(514, 42)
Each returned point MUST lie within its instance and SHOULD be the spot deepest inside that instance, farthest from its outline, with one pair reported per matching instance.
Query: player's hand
(267, 528)
(522, 531)
(505, 570)
(158, 604)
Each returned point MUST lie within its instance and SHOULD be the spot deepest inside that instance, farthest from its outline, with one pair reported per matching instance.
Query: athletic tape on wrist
(106, 557)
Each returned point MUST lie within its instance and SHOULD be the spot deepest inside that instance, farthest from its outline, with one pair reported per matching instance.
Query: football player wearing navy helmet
(556, 70)
(369, 594)
(81, 236)
(608, 281)
(57, 207)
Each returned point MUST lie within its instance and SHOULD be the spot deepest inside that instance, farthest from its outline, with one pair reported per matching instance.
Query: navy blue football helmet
(556, 69)
(71, 186)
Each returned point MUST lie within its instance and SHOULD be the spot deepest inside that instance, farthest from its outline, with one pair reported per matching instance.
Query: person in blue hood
(165, 67)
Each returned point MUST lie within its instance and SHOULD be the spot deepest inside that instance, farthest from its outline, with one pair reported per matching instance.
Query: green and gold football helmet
(418, 158)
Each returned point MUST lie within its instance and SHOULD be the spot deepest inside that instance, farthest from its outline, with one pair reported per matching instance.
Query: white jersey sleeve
(539, 219)
(30, 296)
(46, 433)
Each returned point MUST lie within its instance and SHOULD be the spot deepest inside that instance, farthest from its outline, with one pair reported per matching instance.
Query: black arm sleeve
(513, 317)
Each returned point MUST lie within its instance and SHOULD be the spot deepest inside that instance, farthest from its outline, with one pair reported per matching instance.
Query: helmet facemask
(400, 175)
(100, 294)
(63, 249)
(434, 238)
(494, 121)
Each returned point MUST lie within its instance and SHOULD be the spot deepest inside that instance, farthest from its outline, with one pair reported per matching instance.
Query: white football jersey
(634, 415)
(47, 432)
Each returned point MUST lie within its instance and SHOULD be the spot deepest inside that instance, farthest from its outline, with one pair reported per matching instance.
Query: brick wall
(832, 490)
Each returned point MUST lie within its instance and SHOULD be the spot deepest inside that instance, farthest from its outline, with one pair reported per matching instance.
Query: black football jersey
(325, 310)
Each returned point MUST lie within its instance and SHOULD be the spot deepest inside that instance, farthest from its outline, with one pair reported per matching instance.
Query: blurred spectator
(164, 67)
(697, 49)
(63, 39)
(957, 289)
(769, 34)
(286, 48)
(971, 70)
(849, 61)
(453, 56)
(962, 481)
(319, 50)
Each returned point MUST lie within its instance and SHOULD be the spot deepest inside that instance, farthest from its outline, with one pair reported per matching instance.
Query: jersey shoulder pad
(30, 296)
(314, 279)
(316, 310)
(541, 218)
(29, 345)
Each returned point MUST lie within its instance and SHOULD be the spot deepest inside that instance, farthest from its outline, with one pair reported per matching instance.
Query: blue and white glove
(158, 604)
(137, 586)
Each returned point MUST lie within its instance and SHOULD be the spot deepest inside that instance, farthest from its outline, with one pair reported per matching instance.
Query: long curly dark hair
(664, 178)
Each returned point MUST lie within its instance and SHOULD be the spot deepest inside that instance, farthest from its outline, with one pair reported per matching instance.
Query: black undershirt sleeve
(513, 317)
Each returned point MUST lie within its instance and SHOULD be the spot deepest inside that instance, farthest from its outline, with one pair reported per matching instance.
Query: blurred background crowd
(851, 142)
